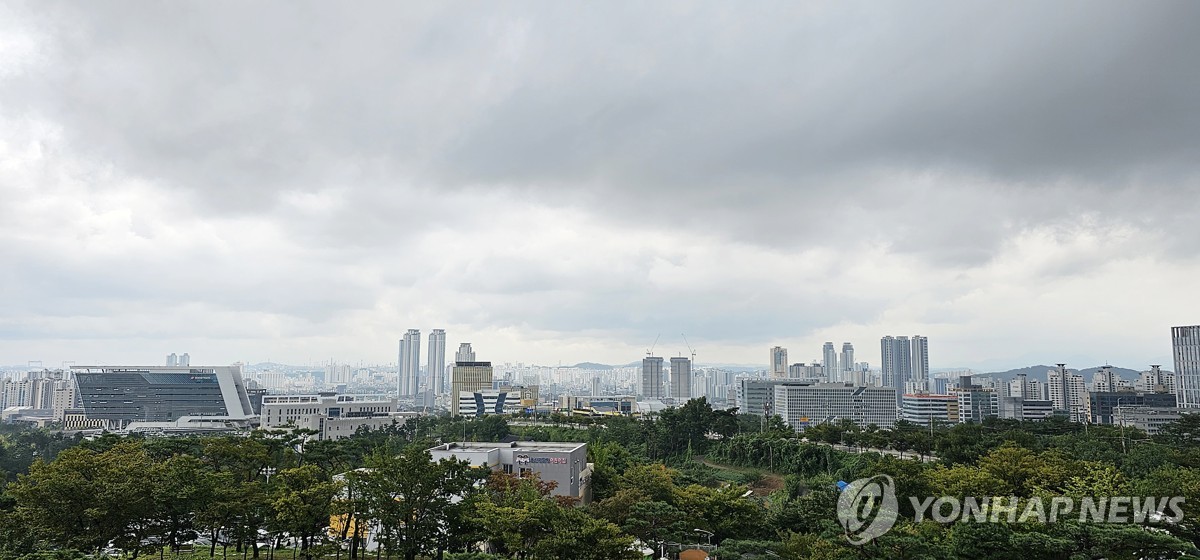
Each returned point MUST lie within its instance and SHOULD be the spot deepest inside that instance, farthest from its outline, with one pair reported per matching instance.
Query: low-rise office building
(166, 398)
(1148, 419)
(605, 405)
(757, 396)
(801, 405)
(927, 409)
(1018, 408)
(1103, 406)
(564, 464)
(330, 416)
(511, 400)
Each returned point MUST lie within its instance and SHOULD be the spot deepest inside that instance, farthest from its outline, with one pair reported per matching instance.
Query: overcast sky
(563, 181)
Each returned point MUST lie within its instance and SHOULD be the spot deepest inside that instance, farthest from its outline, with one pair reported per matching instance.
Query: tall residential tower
(920, 361)
(435, 370)
(681, 379)
(652, 378)
(409, 363)
(1185, 344)
(829, 363)
(779, 362)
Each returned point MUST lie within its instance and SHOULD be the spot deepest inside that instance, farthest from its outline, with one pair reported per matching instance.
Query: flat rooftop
(135, 369)
(517, 445)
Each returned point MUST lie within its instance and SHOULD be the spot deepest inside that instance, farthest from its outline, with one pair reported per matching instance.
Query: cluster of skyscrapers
(408, 366)
(677, 386)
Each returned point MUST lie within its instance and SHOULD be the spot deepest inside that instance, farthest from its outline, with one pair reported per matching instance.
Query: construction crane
(650, 350)
(689, 345)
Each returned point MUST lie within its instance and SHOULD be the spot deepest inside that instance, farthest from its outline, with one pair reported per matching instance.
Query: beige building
(468, 378)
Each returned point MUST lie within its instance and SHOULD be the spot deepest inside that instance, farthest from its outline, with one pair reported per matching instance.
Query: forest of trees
(688, 475)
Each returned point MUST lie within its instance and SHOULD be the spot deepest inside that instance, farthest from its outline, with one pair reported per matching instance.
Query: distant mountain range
(1039, 372)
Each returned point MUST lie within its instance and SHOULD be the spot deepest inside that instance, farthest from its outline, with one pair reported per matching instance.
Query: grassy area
(760, 482)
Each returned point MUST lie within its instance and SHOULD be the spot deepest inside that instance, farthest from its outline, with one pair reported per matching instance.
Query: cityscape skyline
(917, 364)
(523, 179)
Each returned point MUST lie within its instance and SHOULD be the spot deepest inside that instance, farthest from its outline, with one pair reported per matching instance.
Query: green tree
(302, 502)
(414, 500)
(85, 500)
(655, 522)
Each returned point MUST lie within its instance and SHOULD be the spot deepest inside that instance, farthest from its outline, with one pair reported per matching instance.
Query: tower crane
(650, 350)
(689, 345)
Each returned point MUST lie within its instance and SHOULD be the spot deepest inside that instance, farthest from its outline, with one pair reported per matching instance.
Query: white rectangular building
(927, 409)
(330, 416)
(803, 405)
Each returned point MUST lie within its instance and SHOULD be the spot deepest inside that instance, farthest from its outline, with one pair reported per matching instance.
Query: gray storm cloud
(739, 170)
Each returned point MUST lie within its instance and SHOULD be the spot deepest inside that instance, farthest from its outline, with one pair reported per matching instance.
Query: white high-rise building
(920, 359)
(847, 362)
(336, 373)
(779, 362)
(652, 378)
(185, 360)
(464, 353)
(409, 363)
(436, 366)
(896, 360)
(172, 360)
(1019, 387)
(1104, 380)
(829, 362)
(681, 379)
(1068, 392)
(1156, 381)
(1185, 344)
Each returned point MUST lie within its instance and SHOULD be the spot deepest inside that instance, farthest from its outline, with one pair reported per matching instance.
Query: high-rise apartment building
(1104, 380)
(652, 378)
(681, 379)
(172, 359)
(409, 363)
(829, 362)
(436, 367)
(1185, 345)
(896, 359)
(920, 359)
(846, 362)
(779, 362)
(1156, 381)
(1068, 392)
(336, 373)
(185, 360)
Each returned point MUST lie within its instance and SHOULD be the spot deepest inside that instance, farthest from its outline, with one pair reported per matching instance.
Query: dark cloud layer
(341, 157)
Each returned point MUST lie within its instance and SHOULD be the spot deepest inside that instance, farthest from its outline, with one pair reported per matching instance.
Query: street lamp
(708, 534)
